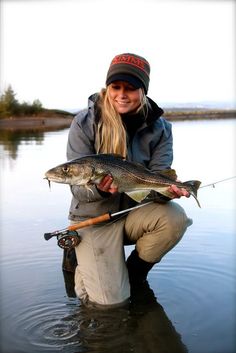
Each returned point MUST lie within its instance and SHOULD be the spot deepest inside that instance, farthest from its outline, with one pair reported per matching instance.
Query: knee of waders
(174, 221)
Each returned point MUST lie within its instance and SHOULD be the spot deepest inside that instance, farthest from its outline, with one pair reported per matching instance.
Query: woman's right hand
(106, 185)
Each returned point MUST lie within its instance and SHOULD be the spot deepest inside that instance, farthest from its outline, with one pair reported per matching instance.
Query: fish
(129, 177)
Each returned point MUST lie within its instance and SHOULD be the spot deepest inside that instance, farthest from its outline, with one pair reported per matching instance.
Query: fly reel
(66, 239)
(69, 240)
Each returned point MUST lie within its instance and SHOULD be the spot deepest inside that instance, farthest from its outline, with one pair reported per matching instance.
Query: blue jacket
(150, 146)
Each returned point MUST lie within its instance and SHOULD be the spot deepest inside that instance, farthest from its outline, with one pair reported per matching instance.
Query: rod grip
(91, 221)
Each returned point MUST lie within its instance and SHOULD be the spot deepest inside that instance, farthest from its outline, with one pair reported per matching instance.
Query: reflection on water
(143, 326)
(190, 304)
(11, 140)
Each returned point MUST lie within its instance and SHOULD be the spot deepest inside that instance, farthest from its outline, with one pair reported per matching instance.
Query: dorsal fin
(168, 173)
(115, 155)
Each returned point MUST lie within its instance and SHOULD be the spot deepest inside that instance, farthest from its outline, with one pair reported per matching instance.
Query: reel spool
(69, 240)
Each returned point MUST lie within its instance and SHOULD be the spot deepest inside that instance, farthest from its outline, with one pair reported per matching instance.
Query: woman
(121, 119)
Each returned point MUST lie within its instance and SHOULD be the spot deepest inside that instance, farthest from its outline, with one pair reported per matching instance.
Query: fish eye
(65, 168)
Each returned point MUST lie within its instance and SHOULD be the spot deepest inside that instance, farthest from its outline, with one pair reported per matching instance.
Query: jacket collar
(154, 111)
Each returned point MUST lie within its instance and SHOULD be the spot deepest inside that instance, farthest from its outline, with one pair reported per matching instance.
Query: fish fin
(165, 192)
(139, 195)
(116, 155)
(88, 188)
(168, 173)
(194, 186)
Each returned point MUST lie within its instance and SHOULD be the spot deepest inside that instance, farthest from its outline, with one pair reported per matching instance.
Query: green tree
(8, 103)
(9, 106)
(37, 106)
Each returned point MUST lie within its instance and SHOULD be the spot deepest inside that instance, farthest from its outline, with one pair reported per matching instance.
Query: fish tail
(193, 186)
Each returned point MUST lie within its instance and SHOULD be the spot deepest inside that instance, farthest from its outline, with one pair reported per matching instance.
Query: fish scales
(127, 169)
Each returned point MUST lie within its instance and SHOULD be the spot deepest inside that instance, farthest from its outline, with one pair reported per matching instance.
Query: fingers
(178, 192)
(106, 184)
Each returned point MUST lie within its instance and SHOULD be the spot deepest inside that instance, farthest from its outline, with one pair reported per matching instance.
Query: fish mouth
(55, 180)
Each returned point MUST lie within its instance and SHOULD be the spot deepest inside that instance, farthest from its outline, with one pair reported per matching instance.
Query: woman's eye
(115, 87)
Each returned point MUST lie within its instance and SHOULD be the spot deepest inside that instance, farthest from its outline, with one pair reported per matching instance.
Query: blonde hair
(111, 134)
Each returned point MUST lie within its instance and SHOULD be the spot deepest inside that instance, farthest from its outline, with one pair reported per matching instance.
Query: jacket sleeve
(162, 157)
(80, 140)
(81, 143)
(162, 152)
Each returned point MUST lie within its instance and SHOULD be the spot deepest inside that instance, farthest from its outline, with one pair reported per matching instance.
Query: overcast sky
(58, 51)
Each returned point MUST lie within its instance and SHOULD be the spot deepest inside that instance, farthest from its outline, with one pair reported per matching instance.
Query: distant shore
(199, 114)
(35, 123)
(57, 122)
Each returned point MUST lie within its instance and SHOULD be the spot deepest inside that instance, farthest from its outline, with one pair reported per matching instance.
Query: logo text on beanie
(131, 60)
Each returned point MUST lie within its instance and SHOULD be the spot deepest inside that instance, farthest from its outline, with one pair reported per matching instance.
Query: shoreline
(45, 123)
(198, 114)
(36, 124)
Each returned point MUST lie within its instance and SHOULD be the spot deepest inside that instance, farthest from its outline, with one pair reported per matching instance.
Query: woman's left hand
(178, 192)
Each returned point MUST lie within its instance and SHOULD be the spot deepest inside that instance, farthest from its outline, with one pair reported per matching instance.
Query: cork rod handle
(90, 222)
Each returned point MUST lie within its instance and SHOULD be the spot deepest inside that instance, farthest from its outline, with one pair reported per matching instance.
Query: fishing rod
(68, 237)
(219, 181)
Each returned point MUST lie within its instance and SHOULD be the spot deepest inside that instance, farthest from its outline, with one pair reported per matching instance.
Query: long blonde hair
(111, 134)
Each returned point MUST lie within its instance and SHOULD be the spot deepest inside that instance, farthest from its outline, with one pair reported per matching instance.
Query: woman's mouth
(122, 102)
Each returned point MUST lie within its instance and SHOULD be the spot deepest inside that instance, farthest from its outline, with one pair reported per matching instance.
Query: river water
(190, 304)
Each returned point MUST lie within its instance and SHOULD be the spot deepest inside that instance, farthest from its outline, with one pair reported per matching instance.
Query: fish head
(70, 173)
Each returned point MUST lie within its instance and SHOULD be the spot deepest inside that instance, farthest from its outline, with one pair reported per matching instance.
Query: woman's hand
(106, 185)
(178, 192)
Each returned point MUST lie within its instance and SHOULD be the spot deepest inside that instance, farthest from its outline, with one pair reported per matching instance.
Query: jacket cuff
(103, 193)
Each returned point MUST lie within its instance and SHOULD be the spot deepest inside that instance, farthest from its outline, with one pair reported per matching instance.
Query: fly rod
(68, 237)
(216, 182)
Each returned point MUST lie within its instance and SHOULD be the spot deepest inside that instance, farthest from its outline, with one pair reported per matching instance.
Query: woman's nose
(122, 92)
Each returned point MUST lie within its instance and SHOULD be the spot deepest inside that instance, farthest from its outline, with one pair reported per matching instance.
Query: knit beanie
(131, 68)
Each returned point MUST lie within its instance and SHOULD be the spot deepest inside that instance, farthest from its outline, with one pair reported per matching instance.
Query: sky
(59, 51)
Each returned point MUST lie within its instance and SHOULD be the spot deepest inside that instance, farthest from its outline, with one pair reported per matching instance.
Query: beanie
(131, 68)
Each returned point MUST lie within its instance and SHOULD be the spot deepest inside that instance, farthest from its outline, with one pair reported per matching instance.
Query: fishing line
(219, 181)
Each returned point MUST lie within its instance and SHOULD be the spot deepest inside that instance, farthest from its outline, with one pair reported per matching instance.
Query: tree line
(9, 105)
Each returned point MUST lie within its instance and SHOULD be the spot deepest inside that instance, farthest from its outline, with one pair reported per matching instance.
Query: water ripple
(46, 326)
(56, 326)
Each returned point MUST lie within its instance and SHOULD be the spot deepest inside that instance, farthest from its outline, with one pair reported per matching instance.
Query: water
(190, 305)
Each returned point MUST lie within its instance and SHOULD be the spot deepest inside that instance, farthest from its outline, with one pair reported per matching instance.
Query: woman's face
(124, 97)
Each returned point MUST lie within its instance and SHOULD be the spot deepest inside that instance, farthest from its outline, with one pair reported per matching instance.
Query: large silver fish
(130, 178)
